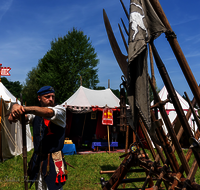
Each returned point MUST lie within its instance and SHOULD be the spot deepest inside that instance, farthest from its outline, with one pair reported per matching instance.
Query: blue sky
(28, 27)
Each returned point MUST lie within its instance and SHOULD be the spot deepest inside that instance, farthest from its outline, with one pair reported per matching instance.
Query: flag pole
(171, 37)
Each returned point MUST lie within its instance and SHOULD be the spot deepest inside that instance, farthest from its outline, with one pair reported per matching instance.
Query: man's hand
(15, 113)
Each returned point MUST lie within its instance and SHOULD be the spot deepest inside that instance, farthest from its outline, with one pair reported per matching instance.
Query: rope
(11, 138)
(170, 34)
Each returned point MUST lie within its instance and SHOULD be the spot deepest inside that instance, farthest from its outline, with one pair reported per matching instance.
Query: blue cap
(45, 90)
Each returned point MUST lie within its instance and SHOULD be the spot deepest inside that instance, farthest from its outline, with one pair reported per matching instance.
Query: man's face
(47, 100)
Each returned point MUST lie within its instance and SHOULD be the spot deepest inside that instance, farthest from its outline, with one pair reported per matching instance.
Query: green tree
(31, 87)
(69, 58)
(116, 92)
(14, 87)
(99, 88)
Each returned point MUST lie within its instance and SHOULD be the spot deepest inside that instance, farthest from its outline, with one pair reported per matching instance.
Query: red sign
(5, 71)
(107, 117)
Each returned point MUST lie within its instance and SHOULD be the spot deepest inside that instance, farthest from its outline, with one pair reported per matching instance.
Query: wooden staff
(177, 51)
(127, 134)
(1, 151)
(108, 139)
(149, 142)
(169, 86)
(126, 148)
(24, 148)
(152, 67)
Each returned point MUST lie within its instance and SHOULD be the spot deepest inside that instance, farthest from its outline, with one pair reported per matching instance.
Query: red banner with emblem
(107, 117)
(4, 71)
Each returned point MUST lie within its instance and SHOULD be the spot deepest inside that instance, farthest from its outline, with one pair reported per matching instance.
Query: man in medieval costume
(47, 167)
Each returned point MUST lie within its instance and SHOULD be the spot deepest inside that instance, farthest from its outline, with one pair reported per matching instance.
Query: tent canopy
(11, 134)
(6, 95)
(86, 99)
(169, 106)
(171, 110)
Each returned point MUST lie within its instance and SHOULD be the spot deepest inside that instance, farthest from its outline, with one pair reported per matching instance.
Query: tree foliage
(69, 58)
(14, 87)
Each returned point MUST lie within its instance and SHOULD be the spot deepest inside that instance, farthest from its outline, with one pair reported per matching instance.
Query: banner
(107, 117)
(5, 71)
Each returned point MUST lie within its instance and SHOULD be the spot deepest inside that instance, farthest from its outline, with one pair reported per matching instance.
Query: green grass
(85, 175)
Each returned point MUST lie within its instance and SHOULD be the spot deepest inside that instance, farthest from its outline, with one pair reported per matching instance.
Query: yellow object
(68, 142)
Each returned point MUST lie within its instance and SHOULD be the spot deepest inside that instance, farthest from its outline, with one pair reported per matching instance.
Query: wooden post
(134, 137)
(1, 152)
(177, 51)
(152, 67)
(80, 80)
(108, 139)
(126, 148)
(127, 132)
(24, 147)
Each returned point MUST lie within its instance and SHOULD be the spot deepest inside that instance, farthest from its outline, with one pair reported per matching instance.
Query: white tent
(171, 110)
(86, 99)
(11, 136)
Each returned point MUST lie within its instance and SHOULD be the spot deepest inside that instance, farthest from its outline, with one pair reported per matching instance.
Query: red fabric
(68, 123)
(47, 123)
(59, 165)
(142, 138)
(101, 109)
(167, 112)
(101, 130)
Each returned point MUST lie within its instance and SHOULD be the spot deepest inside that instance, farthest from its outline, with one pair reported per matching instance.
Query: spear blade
(125, 44)
(121, 58)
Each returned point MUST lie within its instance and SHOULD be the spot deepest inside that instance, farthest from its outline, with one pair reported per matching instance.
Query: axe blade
(121, 58)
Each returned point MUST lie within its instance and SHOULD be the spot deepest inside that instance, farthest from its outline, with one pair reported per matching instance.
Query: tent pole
(108, 139)
(83, 127)
(1, 153)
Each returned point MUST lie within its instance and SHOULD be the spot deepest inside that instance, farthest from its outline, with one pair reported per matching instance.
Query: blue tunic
(46, 140)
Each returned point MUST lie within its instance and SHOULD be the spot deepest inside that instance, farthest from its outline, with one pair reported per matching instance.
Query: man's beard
(51, 104)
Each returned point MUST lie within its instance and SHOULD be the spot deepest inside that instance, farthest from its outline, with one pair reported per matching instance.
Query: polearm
(189, 153)
(169, 86)
(181, 170)
(169, 128)
(24, 148)
(177, 51)
(193, 111)
(180, 132)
